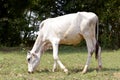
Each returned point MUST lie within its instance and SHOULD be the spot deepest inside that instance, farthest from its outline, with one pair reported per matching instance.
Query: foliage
(12, 21)
(15, 19)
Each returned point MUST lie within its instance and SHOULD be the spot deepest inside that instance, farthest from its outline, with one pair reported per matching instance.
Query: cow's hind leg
(91, 48)
(98, 55)
(55, 45)
(99, 59)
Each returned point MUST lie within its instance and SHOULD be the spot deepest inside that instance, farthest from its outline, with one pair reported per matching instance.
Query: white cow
(69, 29)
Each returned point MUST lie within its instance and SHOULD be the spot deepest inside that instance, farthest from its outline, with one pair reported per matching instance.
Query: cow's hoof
(66, 71)
(99, 68)
(83, 72)
(53, 70)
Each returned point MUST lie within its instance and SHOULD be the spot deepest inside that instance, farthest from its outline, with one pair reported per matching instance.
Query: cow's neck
(37, 45)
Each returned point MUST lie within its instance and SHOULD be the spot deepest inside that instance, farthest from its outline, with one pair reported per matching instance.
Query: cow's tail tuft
(96, 50)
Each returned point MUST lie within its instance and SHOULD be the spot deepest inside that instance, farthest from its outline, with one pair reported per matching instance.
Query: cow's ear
(28, 52)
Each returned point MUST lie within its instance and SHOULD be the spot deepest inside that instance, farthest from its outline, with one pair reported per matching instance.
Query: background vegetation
(19, 19)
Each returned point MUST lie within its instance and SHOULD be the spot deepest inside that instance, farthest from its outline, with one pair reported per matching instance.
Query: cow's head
(33, 61)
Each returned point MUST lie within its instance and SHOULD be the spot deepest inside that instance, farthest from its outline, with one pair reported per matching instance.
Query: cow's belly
(71, 39)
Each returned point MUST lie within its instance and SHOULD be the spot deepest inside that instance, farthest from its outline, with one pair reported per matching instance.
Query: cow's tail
(97, 43)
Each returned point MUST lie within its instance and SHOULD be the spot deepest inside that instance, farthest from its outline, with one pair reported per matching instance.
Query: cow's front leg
(56, 58)
(62, 66)
(54, 66)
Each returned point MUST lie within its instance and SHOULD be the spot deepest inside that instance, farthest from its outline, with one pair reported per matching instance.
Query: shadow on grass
(43, 71)
(91, 70)
(104, 70)
(111, 69)
(79, 70)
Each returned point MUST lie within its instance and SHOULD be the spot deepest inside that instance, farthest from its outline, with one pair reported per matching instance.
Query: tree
(12, 17)
(15, 19)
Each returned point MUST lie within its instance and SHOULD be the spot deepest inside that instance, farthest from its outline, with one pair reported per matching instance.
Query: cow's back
(68, 28)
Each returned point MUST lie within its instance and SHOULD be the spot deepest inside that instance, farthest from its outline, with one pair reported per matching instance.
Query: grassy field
(13, 65)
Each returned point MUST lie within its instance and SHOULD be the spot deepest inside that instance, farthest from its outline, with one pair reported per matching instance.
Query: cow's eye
(28, 59)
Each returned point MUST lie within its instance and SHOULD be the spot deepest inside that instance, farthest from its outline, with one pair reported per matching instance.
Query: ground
(13, 65)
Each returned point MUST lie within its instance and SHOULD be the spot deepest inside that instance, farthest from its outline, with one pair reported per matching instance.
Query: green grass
(13, 65)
